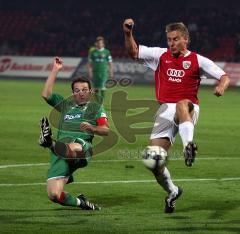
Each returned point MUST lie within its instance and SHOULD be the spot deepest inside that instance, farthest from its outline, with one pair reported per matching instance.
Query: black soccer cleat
(86, 205)
(190, 153)
(170, 201)
(45, 139)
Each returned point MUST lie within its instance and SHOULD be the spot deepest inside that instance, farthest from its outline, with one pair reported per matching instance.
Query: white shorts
(165, 125)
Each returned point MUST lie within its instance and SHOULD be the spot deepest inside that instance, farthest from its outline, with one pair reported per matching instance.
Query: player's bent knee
(185, 103)
(154, 157)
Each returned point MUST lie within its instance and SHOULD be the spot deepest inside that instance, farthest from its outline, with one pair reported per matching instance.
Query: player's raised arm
(222, 86)
(130, 43)
(48, 87)
(89, 70)
(216, 72)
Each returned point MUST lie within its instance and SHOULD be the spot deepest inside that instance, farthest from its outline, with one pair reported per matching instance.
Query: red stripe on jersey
(177, 78)
(102, 121)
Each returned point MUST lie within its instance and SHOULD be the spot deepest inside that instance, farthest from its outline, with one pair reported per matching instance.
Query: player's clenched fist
(57, 64)
(128, 26)
(219, 91)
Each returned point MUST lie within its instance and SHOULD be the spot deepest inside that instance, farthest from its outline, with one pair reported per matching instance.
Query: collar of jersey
(100, 49)
(188, 52)
(83, 105)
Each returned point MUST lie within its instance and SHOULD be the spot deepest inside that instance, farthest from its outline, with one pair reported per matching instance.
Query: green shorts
(99, 81)
(61, 168)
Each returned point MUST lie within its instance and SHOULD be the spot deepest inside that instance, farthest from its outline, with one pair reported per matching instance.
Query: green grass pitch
(210, 202)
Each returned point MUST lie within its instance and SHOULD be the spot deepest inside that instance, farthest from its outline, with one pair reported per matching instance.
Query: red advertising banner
(35, 67)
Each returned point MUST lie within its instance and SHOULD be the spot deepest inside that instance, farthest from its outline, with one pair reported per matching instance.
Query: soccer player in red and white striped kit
(177, 79)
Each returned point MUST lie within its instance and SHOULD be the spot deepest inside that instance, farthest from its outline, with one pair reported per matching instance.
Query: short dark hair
(179, 26)
(100, 38)
(81, 79)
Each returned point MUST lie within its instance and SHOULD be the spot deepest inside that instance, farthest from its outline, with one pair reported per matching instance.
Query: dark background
(69, 28)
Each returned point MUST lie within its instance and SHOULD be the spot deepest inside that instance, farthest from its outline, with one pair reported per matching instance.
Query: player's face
(81, 92)
(177, 42)
(100, 44)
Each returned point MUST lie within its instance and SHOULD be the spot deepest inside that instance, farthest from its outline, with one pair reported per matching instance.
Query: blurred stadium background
(69, 28)
(31, 33)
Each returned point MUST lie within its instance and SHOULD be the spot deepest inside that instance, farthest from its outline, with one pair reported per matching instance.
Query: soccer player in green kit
(100, 66)
(79, 119)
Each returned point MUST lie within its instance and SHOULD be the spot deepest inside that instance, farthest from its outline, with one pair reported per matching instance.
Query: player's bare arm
(111, 70)
(130, 42)
(48, 86)
(89, 69)
(102, 130)
(222, 86)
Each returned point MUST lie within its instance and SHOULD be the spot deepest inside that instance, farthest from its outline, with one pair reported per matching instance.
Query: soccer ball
(154, 157)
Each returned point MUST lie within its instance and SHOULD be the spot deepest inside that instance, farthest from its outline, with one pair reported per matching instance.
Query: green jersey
(100, 59)
(100, 64)
(67, 116)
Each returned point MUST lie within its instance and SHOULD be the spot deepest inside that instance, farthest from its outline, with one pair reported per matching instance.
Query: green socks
(66, 199)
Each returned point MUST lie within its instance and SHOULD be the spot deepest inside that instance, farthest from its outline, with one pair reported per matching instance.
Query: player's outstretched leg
(86, 205)
(190, 152)
(164, 179)
(185, 111)
(170, 200)
(56, 194)
(45, 139)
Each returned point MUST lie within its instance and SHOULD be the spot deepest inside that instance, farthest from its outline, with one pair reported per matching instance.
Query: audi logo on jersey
(175, 73)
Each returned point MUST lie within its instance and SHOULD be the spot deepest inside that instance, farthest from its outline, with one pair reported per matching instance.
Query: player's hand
(86, 127)
(219, 91)
(128, 26)
(57, 64)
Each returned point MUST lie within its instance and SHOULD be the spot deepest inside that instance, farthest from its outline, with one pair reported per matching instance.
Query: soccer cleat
(86, 205)
(45, 139)
(190, 153)
(170, 201)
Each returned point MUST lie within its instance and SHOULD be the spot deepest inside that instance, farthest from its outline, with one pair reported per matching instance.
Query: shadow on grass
(197, 229)
(51, 217)
(14, 215)
(113, 200)
(218, 208)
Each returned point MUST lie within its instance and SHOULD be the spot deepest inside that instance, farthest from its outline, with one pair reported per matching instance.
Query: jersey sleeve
(150, 56)
(210, 67)
(55, 99)
(101, 115)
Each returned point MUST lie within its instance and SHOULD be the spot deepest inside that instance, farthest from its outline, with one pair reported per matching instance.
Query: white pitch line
(23, 165)
(127, 181)
(111, 160)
